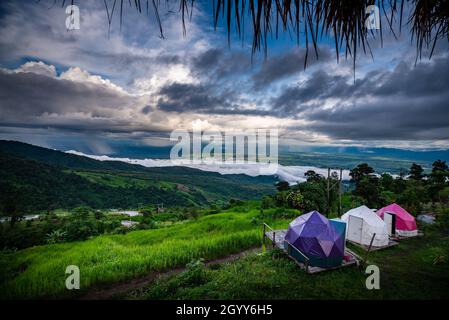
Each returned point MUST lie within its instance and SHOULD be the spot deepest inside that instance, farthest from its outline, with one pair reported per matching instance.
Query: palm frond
(312, 19)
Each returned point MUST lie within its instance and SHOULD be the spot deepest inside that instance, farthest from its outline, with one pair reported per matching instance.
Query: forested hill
(34, 178)
(62, 159)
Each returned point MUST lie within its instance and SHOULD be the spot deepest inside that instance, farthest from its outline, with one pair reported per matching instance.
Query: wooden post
(328, 191)
(339, 192)
(369, 249)
(263, 234)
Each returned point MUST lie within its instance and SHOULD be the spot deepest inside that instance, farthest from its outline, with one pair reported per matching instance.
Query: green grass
(114, 180)
(406, 272)
(39, 272)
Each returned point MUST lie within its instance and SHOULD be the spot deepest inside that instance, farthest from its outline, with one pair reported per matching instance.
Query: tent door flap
(390, 220)
(355, 228)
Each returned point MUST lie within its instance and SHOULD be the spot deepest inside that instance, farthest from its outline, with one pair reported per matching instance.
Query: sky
(92, 88)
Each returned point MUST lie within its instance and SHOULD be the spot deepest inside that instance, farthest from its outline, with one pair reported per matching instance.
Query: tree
(368, 189)
(366, 184)
(416, 172)
(312, 176)
(267, 202)
(147, 212)
(438, 179)
(82, 212)
(386, 197)
(294, 199)
(387, 182)
(282, 186)
(98, 214)
(80, 229)
(400, 184)
(361, 171)
(55, 236)
(10, 210)
(413, 197)
(314, 196)
(440, 172)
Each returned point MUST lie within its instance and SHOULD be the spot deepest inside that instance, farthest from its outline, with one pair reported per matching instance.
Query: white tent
(362, 223)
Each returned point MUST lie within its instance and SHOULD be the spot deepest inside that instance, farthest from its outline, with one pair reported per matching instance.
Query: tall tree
(361, 171)
(366, 184)
(282, 186)
(312, 176)
(416, 172)
(440, 172)
(438, 179)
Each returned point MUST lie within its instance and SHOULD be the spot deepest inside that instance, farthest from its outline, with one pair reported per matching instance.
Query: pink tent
(405, 224)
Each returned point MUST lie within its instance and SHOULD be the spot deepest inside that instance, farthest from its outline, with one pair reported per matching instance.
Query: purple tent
(318, 238)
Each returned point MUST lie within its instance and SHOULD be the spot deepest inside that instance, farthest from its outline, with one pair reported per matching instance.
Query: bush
(195, 273)
(120, 230)
(267, 202)
(82, 212)
(277, 213)
(443, 218)
(146, 224)
(56, 236)
(80, 230)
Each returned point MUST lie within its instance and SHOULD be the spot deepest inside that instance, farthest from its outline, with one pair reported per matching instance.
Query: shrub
(267, 202)
(80, 230)
(195, 273)
(443, 218)
(56, 236)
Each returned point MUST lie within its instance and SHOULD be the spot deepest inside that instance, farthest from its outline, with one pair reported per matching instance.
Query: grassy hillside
(37, 179)
(416, 269)
(409, 271)
(39, 271)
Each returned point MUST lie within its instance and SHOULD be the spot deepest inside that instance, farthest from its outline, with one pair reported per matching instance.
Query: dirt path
(105, 293)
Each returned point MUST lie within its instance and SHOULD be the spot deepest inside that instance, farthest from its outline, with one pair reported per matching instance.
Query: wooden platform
(397, 237)
(365, 247)
(277, 239)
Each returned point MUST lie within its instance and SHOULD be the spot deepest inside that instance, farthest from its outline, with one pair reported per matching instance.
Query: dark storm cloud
(391, 119)
(424, 80)
(124, 60)
(295, 99)
(221, 64)
(181, 97)
(288, 64)
(406, 103)
(29, 94)
(207, 60)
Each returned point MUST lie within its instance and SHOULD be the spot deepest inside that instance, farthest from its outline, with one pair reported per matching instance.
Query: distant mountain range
(129, 149)
(34, 178)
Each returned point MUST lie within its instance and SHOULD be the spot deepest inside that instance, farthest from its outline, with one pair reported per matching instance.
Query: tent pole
(328, 192)
(339, 192)
(369, 249)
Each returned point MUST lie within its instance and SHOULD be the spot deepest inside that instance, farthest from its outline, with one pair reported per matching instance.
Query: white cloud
(38, 67)
(291, 174)
(83, 76)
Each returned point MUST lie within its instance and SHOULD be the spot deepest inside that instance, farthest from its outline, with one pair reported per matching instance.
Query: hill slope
(34, 178)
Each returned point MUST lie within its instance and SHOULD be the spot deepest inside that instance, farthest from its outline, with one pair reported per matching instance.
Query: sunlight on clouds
(76, 74)
(175, 73)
